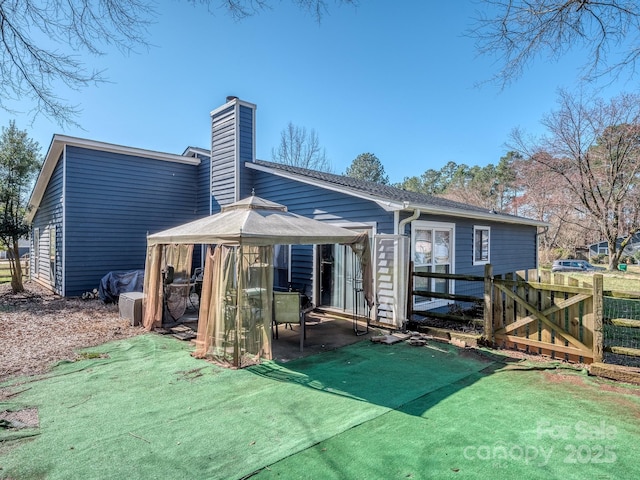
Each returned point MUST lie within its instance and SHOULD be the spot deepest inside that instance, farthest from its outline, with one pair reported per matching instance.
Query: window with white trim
(432, 252)
(35, 257)
(481, 245)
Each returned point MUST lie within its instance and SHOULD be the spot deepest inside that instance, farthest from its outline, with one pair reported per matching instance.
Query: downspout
(401, 225)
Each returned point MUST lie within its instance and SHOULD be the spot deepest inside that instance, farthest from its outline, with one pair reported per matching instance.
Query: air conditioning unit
(130, 305)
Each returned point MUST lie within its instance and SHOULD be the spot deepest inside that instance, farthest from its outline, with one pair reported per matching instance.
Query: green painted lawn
(366, 411)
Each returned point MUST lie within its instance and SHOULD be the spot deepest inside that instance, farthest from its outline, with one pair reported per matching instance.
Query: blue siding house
(602, 247)
(94, 203)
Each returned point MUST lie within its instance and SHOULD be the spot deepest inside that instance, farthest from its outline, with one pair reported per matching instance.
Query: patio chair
(287, 311)
(175, 293)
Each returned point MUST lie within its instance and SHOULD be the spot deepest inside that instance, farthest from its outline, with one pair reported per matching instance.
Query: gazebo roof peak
(254, 203)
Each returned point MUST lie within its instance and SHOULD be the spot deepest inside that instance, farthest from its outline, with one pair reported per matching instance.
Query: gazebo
(235, 316)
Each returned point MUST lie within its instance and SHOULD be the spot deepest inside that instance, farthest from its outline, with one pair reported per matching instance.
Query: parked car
(573, 265)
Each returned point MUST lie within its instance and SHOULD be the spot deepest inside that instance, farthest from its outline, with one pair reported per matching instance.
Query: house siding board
(50, 213)
(109, 216)
(246, 153)
(203, 186)
(203, 199)
(302, 268)
(223, 158)
(321, 204)
(513, 247)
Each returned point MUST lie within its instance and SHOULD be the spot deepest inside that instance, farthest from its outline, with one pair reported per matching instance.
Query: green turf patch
(144, 408)
(510, 424)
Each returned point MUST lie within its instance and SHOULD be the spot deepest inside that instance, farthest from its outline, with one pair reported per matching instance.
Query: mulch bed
(39, 328)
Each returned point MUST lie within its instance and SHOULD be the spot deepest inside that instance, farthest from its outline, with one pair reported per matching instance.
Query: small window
(52, 254)
(481, 245)
(36, 251)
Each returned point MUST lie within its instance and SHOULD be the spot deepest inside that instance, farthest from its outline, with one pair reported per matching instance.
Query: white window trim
(35, 257)
(477, 228)
(423, 224)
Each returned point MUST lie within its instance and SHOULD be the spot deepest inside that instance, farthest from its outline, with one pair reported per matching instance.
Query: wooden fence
(5, 272)
(543, 313)
(548, 314)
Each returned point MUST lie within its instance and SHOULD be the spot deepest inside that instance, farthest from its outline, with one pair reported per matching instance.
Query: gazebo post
(236, 341)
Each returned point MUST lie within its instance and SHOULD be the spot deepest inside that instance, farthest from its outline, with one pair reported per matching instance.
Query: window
(481, 245)
(52, 254)
(432, 252)
(36, 251)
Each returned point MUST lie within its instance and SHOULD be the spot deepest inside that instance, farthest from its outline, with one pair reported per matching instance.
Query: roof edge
(388, 205)
(394, 205)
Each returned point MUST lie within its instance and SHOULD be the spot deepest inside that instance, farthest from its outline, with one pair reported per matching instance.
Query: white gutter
(386, 205)
(391, 205)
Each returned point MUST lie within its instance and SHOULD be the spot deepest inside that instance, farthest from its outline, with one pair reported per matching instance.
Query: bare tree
(519, 31)
(32, 69)
(241, 9)
(593, 149)
(543, 197)
(298, 148)
(42, 44)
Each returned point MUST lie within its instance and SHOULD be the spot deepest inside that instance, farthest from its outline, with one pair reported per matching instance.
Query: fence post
(488, 304)
(598, 309)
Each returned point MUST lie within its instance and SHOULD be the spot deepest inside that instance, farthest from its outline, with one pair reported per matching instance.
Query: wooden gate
(548, 314)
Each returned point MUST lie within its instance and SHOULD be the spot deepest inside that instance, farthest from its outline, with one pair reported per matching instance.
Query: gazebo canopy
(254, 221)
(236, 302)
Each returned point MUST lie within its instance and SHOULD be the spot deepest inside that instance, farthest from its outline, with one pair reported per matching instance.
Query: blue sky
(397, 79)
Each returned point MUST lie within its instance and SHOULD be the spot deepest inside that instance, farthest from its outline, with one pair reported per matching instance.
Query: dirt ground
(38, 328)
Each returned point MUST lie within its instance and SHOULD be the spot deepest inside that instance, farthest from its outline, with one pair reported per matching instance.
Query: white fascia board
(394, 206)
(124, 150)
(50, 162)
(233, 102)
(59, 142)
(192, 151)
(492, 217)
(386, 205)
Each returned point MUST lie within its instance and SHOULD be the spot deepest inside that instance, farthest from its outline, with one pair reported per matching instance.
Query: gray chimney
(232, 145)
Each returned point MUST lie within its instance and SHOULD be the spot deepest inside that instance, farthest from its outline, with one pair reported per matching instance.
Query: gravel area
(39, 329)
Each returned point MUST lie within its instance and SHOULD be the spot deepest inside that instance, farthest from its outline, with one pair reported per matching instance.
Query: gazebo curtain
(362, 248)
(234, 326)
(158, 258)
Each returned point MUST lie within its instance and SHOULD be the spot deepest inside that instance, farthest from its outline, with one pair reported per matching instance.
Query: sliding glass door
(340, 278)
